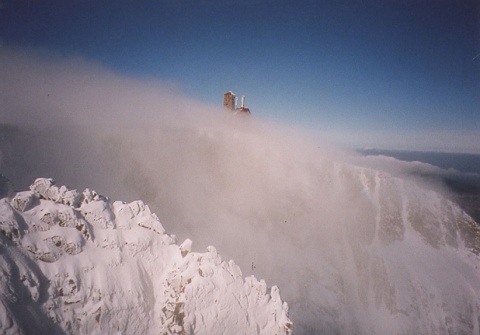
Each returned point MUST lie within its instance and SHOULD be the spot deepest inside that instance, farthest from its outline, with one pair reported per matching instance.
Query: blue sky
(346, 67)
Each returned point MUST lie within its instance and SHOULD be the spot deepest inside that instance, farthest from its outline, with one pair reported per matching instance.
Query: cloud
(283, 203)
(49, 89)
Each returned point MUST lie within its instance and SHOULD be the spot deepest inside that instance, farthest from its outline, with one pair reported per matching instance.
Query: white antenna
(243, 101)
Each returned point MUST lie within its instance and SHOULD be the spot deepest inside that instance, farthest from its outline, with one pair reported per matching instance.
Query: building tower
(229, 100)
(242, 108)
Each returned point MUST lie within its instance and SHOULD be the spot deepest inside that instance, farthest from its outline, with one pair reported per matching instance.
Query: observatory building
(230, 103)
(229, 100)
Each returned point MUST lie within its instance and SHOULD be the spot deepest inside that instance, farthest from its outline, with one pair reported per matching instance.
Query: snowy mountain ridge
(78, 263)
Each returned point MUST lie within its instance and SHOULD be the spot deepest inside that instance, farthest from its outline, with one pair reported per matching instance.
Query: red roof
(244, 110)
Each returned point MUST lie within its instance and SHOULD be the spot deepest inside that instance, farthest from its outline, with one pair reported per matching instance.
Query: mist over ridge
(352, 248)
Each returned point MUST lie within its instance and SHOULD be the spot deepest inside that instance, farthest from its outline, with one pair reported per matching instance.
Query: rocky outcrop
(75, 262)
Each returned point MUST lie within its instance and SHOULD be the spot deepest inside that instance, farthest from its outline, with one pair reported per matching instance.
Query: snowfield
(78, 263)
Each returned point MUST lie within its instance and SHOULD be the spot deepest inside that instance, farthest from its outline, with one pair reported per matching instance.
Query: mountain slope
(355, 250)
(77, 263)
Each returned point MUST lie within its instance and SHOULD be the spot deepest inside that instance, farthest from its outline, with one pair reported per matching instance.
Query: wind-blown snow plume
(354, 250)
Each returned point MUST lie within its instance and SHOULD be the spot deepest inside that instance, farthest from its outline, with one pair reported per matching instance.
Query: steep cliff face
(79, 263)
(394, 258)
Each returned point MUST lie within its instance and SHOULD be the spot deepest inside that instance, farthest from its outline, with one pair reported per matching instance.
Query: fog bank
(346, 244)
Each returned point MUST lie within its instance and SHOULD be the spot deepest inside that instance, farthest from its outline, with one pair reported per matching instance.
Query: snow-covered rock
(78, 263)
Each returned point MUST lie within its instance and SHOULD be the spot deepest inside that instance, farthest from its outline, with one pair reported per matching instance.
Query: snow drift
(77, 263)
(354, 250)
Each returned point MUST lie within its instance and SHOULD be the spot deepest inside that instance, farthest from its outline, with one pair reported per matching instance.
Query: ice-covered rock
(77, 263)
(45, 188)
